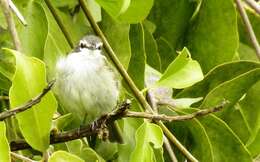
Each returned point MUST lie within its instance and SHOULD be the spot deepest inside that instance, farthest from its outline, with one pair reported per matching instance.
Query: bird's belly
(88, 94)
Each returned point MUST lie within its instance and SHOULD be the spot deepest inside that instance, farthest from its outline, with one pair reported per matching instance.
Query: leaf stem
(249, 28)
(60, 23)
(11, 24)
(17, 12)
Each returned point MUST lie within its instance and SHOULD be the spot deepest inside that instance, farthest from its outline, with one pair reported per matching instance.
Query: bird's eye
(99, 47)
(81, 45)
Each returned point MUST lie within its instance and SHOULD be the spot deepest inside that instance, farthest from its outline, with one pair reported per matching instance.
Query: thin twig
(169, 149)
(28, 105)
(153, 103)
(4, 98)
(103, 121)
(254, 5)
(167, 118)
(249, 28)
(60, 23)
(138, 95)
(17, 12)
(11, 24)
(21, 157)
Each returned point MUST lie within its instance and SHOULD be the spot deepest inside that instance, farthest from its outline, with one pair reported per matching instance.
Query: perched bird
(86, 86)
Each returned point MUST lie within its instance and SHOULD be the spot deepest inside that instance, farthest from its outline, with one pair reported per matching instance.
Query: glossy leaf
(182, 72)
(172, 19)
(33, 36)
(218, 75)
(138, 58)
(146, 135)
(29, 80)
(118, 37)
(136, 12)
(114, 8)
(210, 139)
(64, 157)
(4, 145)
(213, 37)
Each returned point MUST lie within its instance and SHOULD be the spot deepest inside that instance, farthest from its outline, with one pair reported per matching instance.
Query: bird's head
(90, 42)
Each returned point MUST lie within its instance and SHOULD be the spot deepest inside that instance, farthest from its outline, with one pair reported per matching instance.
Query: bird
(86, 84)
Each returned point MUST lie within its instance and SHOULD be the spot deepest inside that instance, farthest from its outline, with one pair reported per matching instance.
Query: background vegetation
(199, 51)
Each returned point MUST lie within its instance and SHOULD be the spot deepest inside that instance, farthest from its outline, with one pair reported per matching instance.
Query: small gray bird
(86, 85)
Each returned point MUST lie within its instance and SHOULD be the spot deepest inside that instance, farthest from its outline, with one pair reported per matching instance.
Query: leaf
(29, 80)
(166, 52)
(151, 49)
(182, 72)
(63, 156)
(115, 7)
(138, 58)
(210, 139)
(231, 90)
(33, 36)
(218, 75)
(249, 107)
(172, 19)
(4, 145)
(136, 12)
(117, 32)
(148, 137)
(213, 38)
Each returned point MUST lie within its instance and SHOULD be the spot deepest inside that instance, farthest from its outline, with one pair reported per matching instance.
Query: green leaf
(115, 7)
(29, 80)
(246, 52)
(218, 75)
(4, 145)
(210, 139)
(213, 37)
(136, 12)
(167, 53)
(117, 32)
(249, 107)
(64, 157)
(151, 49)
(172, 19)
(138, 58)
(182, 72)
(148, 137)
(33, 36)
(231, 90)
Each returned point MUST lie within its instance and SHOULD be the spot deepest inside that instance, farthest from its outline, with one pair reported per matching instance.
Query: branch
(167, 118)
(254, 5)
(11, 25)
(98, 126)
(17, 12)
(4, 98)
(60, 23)
(138, 95)
(21, 157)
(28, 105)
(249, 28)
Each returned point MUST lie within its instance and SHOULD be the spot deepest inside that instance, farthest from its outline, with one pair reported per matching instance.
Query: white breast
(85, 85)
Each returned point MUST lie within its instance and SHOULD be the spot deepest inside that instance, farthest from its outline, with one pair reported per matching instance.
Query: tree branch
(98, 126)
(254, 5)
(249, 28)
(28, 105)
(11, 25)
(4, 98)
(21, 157)
(138, 95)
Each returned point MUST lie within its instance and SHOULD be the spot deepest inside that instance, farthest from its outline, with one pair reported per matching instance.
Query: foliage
(194, 52)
